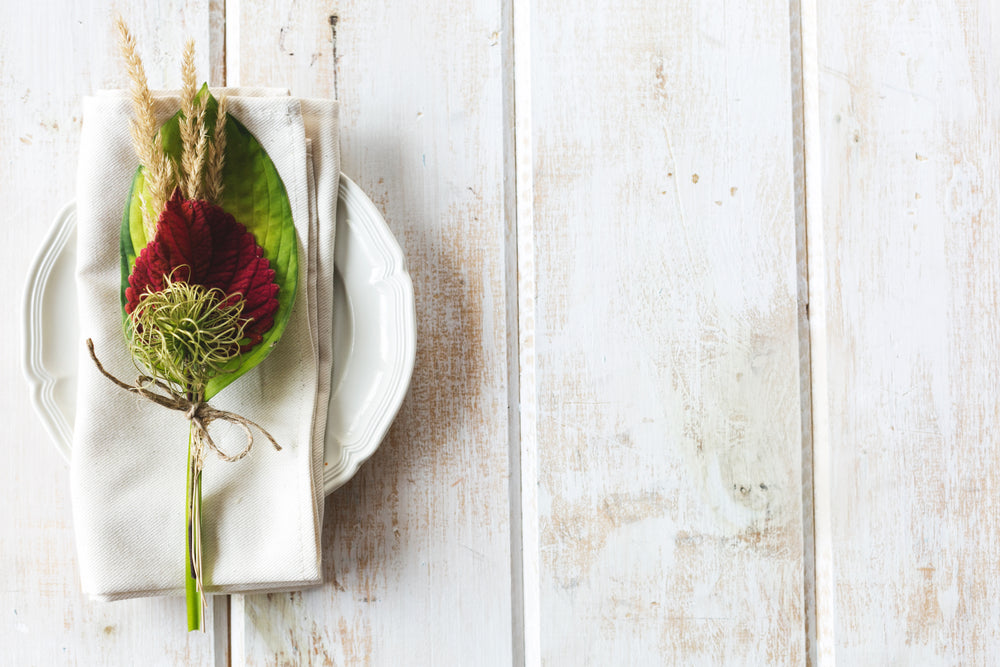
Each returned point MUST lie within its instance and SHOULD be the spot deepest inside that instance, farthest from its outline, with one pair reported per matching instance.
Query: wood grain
(667, 334)
(908, 126)
(52, 54)
(417, 546)
(603, 216)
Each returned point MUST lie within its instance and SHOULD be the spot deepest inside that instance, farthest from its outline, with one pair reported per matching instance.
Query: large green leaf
(256, 197)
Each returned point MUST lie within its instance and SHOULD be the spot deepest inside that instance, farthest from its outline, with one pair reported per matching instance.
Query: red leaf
(199, 243)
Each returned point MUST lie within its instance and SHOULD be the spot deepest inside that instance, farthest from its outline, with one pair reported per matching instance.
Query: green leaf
(255, 195)
(131, 234)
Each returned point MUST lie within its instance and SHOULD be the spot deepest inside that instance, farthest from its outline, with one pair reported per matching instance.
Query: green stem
(193, 597)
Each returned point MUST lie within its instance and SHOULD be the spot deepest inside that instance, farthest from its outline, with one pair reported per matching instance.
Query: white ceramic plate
(374, 333)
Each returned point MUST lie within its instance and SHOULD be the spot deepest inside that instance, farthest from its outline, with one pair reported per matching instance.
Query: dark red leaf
(199, 243)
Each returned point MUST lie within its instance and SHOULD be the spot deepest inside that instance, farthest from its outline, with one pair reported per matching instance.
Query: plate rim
(42, 383)
(395, 277)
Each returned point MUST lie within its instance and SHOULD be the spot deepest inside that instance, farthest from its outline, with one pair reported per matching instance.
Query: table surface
(707, 302)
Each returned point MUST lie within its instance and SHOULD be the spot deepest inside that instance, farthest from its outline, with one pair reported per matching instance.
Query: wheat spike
(190, 125)
(145, 134)
(216, 158)
(144, 124)
(196, 173)
(189, 77)
(161, 189)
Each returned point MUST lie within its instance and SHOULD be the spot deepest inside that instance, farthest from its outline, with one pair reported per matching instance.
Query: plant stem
(192, 519)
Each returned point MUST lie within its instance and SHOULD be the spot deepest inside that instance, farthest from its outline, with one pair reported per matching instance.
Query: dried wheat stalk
(216, 158)
(192, 127)
(157, 169)
(197, 167)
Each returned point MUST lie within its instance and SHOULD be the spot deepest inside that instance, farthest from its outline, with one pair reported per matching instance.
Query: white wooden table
(708, 328)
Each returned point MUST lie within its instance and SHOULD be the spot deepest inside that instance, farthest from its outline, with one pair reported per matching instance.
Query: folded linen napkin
(262, 515)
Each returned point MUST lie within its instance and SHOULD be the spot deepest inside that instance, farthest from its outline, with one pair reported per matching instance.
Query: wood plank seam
(805, 370)
(513, 362)
(334, 19)
(821, 642)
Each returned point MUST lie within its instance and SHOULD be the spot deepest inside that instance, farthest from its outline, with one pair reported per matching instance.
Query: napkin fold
(262, 515)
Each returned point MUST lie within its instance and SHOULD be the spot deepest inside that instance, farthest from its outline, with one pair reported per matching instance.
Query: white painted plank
(908, 98)
(667, 334)
(417, 546)
(52, 54)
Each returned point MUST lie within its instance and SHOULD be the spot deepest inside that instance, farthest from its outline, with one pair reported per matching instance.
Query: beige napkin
(262, 515)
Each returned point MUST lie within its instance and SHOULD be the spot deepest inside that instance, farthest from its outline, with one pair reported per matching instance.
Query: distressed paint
(908, 125)
(417, 546)
(653, 249)
(52, 54)
(667, 334)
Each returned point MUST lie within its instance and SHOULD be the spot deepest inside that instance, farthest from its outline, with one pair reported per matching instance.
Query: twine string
(198, 412)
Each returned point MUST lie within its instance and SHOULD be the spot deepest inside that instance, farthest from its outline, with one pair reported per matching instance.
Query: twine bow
(199, 413)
